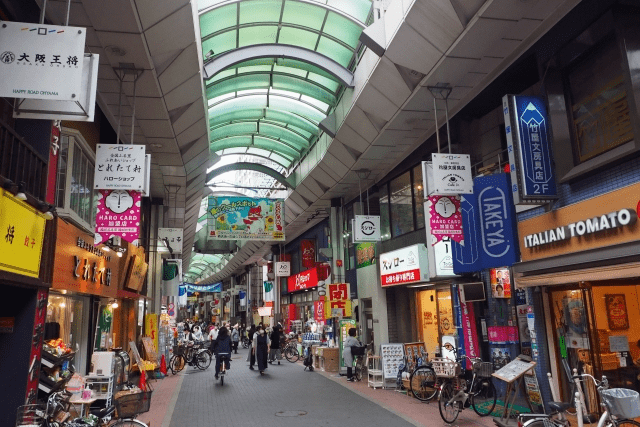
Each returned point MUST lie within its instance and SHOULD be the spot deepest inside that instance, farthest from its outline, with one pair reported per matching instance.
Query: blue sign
(528, 146)
(189, 287)
(489, 225)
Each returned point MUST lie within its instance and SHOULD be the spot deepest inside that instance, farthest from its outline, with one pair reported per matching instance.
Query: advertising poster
(445, 218)
(365, 254)
(318, 311)
(308, 253)
(500, 356)
(151, 327)
(500, 283)
(338, 298)
(118, 214)
(241, 218)
(617, 314)
(533, 392)
(472, 348)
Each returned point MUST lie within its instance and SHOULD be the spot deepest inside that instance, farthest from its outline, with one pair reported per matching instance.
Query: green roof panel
(262, 34)
(252, 11)
(305, 14)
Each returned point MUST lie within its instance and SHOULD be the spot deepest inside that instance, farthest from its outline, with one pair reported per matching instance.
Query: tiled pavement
(194, 398)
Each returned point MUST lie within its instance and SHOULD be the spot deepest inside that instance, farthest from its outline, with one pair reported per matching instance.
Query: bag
(357, 350)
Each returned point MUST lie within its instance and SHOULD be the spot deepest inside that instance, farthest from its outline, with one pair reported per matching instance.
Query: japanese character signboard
(366, 228)
(445, 219)
(338, 300)
(41, 61)
(451, 174)
(406, 265)
(174, 238)
(21, 236)
(530, 160)
(237, 218)
(118, 214)
(120, 167)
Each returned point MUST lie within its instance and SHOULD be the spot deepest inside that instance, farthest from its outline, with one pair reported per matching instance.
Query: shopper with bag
(346, 353)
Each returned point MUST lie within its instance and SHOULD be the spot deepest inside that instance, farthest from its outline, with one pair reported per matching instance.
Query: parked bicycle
(424, 384)
(290, 351)
(360, 355)
(192, 354)
(246, 342)
(620, 406)
(456, 393)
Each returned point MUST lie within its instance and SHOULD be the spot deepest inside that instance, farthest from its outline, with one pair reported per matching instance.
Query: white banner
(283, 269)
(451, 174)
(120, 167)
(41, 61)
(171, 276)
(174, 238)
(366, 228)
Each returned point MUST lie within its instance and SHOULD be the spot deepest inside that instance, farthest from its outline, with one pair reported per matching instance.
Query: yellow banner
(151, 327)
(337, 303)
(21, 236)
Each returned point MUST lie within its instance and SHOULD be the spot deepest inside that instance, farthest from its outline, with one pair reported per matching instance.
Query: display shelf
(374, 371)
(102, 387)
(50, 360)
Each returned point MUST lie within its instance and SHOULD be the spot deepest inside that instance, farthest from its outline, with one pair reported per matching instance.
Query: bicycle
(246, 342)
(290, 351)
(192, 354)
(359, 365)
(456, 393)
(424, 384)
(224, 359)
(620, 407)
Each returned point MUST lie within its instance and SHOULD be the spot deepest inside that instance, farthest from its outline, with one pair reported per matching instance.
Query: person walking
(222, 349)
(251, 357)
(261, 344)
(235, 339)
(274, 353)
(346, 353)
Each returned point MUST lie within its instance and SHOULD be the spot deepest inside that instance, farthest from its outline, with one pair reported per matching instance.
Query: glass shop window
(418, 197)
(385, 225)
(401, 205)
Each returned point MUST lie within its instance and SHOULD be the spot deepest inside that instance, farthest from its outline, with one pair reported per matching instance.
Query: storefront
(585, 256)
(303, 306)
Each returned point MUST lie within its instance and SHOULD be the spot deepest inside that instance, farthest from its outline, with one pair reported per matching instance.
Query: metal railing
(21, 163)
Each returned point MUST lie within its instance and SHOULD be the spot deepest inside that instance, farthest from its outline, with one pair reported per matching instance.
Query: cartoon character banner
(238, 218)
(118, 214)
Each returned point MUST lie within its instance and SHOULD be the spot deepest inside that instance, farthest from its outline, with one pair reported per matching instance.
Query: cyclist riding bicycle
(222, 349)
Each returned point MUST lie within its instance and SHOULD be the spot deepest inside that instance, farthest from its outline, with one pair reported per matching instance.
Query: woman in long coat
(261, 344)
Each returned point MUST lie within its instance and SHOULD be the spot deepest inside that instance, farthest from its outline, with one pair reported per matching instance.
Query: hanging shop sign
(445, 219)
(488, 220)
(238, 218)
(606, 220)
(173, 238)
(41, 61)
(306, 280)
(338, 300)
(406, 265)
(269, 294)
(137, 273)
(283, 268)
(529, 147)
(308, 253)
(318, 311)
(52, 171)
(118, 214)
(171, 276)
(366, 228)
(120, 167)
(81, 267)
(22, 234)
(451, 174)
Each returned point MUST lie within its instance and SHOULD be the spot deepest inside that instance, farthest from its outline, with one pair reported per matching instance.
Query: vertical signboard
(343, 327)
(489, 223)
(118, 214)
(308, 253)
(52, 173)
(528, 144)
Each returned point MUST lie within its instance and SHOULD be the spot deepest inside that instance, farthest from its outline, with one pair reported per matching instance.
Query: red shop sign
(305, 280)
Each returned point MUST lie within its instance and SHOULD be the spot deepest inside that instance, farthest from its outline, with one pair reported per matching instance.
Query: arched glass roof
(271, 106)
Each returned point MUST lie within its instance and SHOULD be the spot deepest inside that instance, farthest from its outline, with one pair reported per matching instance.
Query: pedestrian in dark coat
(251, 357)
(261, 344)
(274, 353)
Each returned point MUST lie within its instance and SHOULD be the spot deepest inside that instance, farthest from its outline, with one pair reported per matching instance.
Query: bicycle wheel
(177, 363)
(449, 409)
(423, 383)
(203, 360)
(623, 423)
(358, 371)
(128, 422)
(291, 354)
(543, 422)
(483, 397)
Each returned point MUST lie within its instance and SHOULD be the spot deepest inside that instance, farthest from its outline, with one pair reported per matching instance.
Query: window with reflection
(401, 197)
(418, 197)
(385, 224)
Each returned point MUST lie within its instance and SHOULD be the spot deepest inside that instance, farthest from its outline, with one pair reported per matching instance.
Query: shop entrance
(597, 331)
(435, 317)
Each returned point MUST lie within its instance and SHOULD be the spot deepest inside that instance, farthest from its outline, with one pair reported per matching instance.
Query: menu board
(392, 356)
(415, 351)
(514, 370)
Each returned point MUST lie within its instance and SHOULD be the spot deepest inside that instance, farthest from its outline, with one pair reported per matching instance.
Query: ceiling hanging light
(21, 195)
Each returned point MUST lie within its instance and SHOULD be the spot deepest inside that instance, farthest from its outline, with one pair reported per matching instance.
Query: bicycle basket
(446, 368)
(357, 350)
(483, 369)
(30, 415)
(130, 405)
(178, 350)
(622, 402)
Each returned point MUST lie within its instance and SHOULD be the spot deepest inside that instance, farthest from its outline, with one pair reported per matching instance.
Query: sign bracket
(441, 91)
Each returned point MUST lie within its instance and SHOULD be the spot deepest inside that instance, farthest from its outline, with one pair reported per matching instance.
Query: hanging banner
(269, 291)
(242, 295)
(118, 214)
(151, 328)
(308, 253)
(530, 159)
(451, 174)
(338, 298)
(173, 238)
(470, 332)
(190, 287)
(318, 311)
(488, 220)
(238, 218)
(120, 167)
(366, 228)
(41, 61)
(52, 166)
(171, 276)
(445, 219)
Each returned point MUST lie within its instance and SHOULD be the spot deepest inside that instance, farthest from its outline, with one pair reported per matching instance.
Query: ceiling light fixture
(21, 195)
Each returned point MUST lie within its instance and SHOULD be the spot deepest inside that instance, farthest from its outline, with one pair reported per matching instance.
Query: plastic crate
(130, 405)
(446, 368)
(622, 402)
(483, 369)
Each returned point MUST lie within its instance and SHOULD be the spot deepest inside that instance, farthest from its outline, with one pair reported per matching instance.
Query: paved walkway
(286, 396)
